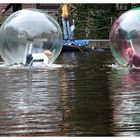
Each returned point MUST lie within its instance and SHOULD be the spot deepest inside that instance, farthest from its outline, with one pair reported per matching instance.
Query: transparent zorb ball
(125, 35)
(29, 31)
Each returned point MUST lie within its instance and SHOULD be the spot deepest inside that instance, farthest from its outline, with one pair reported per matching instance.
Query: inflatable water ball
(29, 31)
(125, 36)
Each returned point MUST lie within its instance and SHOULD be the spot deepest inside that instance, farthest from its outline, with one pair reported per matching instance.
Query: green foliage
(93, 21)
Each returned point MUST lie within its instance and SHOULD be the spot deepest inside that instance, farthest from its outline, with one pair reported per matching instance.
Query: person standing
(15, 7)
(66, 11)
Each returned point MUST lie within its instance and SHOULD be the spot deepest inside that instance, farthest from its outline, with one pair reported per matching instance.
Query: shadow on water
(89, 98)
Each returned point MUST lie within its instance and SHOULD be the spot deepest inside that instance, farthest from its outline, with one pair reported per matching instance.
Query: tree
(94, 21)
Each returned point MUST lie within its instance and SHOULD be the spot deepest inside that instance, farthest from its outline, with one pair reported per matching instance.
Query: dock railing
(99, 43)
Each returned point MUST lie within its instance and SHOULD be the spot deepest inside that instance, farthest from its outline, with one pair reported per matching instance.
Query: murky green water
(86, 96)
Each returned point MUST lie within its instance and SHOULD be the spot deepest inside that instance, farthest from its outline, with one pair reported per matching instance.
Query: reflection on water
(25, 97)
(85, 95)
(125, 89)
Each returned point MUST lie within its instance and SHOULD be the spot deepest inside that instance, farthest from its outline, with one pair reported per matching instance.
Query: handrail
(94, 29)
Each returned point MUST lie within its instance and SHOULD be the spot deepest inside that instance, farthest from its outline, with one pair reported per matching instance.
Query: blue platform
(76, 42)
(75, 45)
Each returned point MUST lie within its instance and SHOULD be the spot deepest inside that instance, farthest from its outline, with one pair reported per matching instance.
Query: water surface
(84, 94)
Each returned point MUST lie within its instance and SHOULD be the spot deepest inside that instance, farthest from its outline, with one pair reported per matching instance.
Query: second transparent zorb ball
(29, 31)
(125, 36)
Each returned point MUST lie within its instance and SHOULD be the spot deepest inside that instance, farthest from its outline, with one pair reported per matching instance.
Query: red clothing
(135, 60)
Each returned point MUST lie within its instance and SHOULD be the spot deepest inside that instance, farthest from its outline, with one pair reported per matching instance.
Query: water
(83, 94)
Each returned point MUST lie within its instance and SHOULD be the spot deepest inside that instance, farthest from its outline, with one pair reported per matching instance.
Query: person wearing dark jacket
(15, 7)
